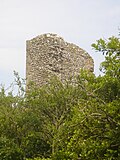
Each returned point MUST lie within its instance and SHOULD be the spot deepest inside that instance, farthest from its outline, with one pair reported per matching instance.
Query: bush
(9, 150)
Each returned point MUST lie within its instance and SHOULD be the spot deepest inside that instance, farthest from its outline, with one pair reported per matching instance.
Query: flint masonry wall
(49, 55)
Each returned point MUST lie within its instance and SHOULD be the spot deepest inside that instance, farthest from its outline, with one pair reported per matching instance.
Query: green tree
(65, 121)
(93, 132)
(53, 104)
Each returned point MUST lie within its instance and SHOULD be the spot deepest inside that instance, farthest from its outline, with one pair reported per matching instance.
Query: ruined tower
(48, 55)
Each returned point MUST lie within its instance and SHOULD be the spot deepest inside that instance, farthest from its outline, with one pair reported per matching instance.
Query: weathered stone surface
(49, 55)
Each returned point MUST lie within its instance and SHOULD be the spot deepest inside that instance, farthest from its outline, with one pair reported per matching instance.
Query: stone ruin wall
(49, 55)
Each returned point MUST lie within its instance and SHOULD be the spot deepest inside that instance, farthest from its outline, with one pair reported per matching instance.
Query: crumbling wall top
(49, 55)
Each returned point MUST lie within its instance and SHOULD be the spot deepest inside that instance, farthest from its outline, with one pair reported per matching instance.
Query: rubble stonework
(49, 55)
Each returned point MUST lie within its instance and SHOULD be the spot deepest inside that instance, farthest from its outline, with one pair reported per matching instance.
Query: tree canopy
(66, 121)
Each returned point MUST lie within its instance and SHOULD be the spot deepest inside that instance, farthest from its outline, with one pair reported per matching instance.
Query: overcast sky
(78, 21)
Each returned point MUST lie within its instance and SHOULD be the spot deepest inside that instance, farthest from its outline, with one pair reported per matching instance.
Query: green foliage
(38, 159)
(65, 121)
(9, 150)
(111, 49)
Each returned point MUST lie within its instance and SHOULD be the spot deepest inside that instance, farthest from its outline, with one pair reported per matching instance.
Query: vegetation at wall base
(70, 121)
